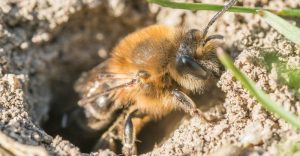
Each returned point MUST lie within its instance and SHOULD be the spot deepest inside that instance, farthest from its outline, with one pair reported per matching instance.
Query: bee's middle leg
(125, 129)
(132, 126)
(128, 140)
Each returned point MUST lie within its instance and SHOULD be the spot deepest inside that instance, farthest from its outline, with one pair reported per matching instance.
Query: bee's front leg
(187, 104)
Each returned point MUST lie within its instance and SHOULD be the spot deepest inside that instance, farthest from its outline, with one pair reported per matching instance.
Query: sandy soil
(45, 45)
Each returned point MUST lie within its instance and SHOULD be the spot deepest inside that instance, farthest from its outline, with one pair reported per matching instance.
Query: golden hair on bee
(151, 72)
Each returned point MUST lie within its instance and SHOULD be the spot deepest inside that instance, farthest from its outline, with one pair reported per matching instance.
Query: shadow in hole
(155, 132)
(63, 121)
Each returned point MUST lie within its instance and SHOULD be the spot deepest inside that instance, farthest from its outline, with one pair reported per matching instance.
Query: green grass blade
(201, 6)
(255, 91)
(289, 12)
(215, 7)
(282, 26)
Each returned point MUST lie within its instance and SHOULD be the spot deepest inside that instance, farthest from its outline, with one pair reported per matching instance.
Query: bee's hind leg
(108, 138)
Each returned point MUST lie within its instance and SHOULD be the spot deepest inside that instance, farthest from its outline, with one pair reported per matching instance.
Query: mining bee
(151, 72)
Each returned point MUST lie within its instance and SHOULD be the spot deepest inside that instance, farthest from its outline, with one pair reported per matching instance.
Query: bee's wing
(88, 79)
(98, 82)
(96, 89)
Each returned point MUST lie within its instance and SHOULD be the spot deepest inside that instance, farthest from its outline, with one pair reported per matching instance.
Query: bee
(150, 73)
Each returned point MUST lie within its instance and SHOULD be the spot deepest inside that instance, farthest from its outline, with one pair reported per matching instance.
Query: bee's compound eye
(187, 65)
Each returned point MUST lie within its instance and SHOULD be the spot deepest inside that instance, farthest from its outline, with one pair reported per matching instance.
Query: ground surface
(46, 44)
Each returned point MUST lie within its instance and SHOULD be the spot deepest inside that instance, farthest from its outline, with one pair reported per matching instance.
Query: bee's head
(196, 62)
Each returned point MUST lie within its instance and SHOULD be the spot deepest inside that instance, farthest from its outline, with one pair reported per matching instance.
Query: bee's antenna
(219, 14)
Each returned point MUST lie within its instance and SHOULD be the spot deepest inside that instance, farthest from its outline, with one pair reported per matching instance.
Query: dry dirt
(46, 44)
